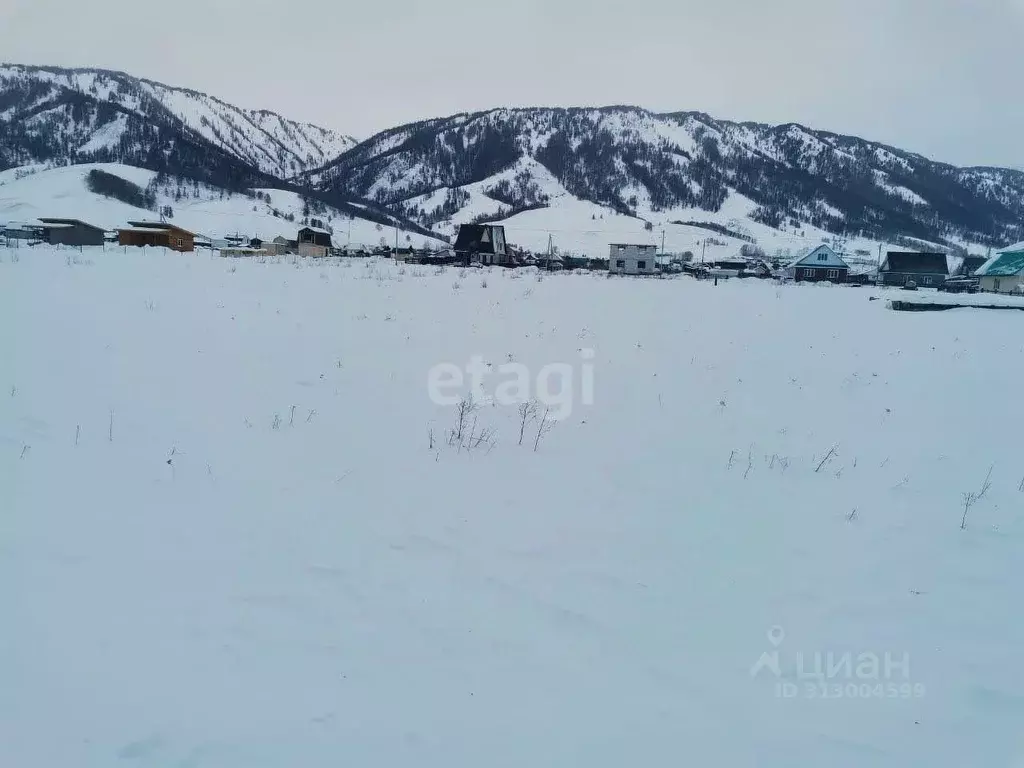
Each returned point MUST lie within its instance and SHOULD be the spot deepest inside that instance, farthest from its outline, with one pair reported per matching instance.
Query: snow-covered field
(226, 541)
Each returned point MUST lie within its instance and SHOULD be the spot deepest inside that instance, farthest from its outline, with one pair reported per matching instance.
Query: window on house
(620, 264)
(995, 284)
(926, 280)
(822, 257)
(641, 265)
(809, 272)
(833, 274)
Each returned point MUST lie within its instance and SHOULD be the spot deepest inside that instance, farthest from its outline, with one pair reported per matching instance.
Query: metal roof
(834, 260)
(1003, 265)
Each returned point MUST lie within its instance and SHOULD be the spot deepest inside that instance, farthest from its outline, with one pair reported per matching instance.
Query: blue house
(819, 264)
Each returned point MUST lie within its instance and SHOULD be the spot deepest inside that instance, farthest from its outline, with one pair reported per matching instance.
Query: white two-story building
(631, 259)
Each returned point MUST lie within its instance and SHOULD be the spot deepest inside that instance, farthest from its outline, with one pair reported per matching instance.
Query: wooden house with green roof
(1004, 272)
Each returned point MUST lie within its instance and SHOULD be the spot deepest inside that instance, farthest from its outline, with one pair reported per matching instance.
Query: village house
(279, 246)
(818, 264)
(969, 265)
(158, 234)
(482, 242)
(1004, 272)
(632, 259)
(313, 241)
(71, 232)
(924, 270)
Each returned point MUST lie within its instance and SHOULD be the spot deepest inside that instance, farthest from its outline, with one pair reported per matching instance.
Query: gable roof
(973, 262)
(809, 257)
(914, 263)
(478, 238)
(1003, 265)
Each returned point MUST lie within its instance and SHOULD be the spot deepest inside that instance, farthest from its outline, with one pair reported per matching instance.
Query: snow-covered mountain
(673, 170)
(582, 177)
(49, 114)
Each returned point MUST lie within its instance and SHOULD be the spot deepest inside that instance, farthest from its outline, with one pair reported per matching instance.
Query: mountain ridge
(259, 138)
(659, 168)
(639, 162)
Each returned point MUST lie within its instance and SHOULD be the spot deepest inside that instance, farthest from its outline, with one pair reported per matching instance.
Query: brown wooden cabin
(159, 234)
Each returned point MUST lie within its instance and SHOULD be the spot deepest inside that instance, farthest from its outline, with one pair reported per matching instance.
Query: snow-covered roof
(145, 230)
(832, 259)
(156, 226)
(54, 223)
(1003, 264)
(319, 230)
(1016, 248)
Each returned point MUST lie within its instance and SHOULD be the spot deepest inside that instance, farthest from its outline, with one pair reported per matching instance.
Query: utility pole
(703, 247)
(396, 243)
(548, 264)
(662, 242)
(879, 255)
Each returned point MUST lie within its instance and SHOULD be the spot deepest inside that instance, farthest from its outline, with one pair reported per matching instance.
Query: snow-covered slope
(48, 113)
(791, 182)
(226, 540)
(213, 212)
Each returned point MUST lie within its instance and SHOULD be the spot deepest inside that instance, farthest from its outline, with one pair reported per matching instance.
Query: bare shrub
(527, 413)
(463, 411)
(545, 426)
(828, 457)
(973, 497)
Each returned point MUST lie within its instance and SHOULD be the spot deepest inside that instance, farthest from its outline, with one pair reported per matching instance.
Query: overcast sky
(941, 77)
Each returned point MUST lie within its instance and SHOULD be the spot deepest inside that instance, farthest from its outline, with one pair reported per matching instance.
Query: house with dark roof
(923, 269)
(481, 242)
(818, 264)
(313, 241)
(1004, 272)
(969, 265)
(71, 232)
